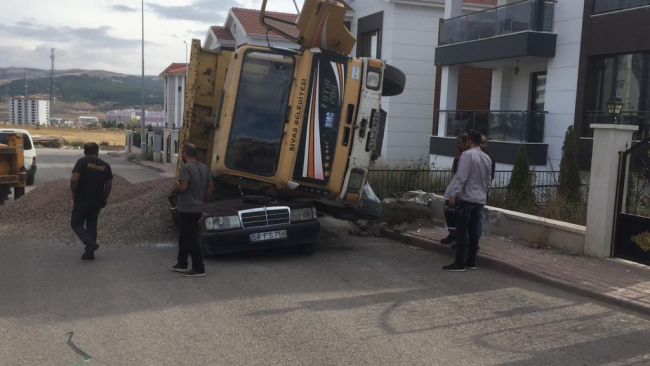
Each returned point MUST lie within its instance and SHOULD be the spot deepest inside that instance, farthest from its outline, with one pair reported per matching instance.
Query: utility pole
(51, 86)
(143, 136)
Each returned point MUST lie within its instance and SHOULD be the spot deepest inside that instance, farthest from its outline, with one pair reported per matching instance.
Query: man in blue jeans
(469, 193)
(91, 185)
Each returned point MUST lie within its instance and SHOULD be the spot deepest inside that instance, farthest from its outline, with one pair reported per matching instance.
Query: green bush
(519, 192)
(76, 144)
(570, 184)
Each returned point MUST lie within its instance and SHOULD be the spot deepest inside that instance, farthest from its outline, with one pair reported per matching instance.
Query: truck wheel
(4, 193)
(30, 179)
(394, 81)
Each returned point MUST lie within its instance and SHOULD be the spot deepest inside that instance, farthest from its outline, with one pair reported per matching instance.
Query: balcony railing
(515, 126)
(528, 15)
(604, 6)
(638, 118)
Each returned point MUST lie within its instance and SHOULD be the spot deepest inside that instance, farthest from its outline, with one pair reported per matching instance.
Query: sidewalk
(611, 281)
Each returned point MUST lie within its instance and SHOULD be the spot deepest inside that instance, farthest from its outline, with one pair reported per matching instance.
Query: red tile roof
(250, 20)
(176, 68)
(222, 33)
(482, 2)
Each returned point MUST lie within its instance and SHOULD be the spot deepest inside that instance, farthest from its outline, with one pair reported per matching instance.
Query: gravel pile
(135, 214)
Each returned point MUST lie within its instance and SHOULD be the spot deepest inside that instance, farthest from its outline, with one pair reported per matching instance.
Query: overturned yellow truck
(285, 132)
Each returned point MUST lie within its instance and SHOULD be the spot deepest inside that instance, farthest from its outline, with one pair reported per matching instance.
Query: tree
(133, 124)
(519, 192)
(570, 184)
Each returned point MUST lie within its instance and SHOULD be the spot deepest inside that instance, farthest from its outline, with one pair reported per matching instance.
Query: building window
(180, 89)
(625, 76)
(604, 6)
(369, 35)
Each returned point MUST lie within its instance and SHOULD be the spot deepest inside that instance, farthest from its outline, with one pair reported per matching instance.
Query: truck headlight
(222, 223)
(372, 80)
(355, 179)
(302, 214)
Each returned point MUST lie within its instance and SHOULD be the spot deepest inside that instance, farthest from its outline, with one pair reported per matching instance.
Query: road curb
(496, 264)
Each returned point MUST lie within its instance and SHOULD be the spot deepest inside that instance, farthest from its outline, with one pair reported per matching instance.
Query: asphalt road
(58, 163)
(357, 301)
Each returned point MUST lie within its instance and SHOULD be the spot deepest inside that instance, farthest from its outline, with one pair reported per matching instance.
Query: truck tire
(31, 177)
(370, 204)
(5, 191)
(394, 81)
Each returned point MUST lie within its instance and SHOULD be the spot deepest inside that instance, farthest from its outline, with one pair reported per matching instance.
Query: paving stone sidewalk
(622, 284)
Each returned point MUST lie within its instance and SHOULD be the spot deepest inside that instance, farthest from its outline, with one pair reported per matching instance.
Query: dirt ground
(113, 137)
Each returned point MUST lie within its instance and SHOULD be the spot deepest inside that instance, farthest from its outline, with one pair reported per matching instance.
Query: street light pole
(143, 117)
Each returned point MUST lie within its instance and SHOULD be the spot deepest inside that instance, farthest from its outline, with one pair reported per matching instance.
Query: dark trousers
(450, 217)
(468, 225)
(188, 240)
(85, 213)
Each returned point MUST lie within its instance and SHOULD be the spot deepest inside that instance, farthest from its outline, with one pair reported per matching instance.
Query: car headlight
(372, 80)
(222, 223)
(302, 214)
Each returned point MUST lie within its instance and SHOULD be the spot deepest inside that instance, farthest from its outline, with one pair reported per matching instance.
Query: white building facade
(29, 111)
(530, 52)
(174, 102)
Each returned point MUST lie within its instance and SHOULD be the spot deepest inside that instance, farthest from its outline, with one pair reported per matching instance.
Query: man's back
(93, 174)
(197, 176)
(473, 177)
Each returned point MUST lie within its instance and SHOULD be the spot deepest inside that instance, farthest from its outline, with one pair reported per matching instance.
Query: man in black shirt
(91, 185)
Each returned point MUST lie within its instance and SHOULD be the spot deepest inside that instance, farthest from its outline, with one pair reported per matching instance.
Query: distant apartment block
(85, 120)
(155, 119)
(29, 111)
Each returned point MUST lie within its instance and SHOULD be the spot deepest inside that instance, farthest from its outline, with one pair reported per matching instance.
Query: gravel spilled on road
(135, 214)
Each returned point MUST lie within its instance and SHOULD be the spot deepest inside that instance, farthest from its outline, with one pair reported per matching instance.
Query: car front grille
(268, 216)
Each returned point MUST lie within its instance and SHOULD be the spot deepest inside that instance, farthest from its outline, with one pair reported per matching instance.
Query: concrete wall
(567, 237)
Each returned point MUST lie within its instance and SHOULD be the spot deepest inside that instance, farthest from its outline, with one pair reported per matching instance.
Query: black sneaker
(448, 240)
(471, 266)
(193, 273)
(178, 268)
(454, 268)
(89, 253)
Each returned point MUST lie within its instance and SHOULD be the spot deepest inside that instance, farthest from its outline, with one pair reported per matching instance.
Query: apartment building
(29, 111)
(524, 71)
(174, 105)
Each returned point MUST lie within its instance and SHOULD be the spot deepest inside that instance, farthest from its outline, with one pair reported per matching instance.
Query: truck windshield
(259, 115)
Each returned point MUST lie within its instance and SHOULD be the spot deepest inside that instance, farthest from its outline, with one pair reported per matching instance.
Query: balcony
(515, 30)
(505, 130)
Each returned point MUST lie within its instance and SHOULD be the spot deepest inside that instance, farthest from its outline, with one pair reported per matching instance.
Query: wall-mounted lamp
(517, 68)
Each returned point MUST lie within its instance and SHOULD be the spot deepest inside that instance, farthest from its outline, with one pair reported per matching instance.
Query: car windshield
(27, 142)
(258, 119)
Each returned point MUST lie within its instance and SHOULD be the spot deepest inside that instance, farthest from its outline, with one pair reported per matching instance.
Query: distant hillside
(14, 73)
(94, 87)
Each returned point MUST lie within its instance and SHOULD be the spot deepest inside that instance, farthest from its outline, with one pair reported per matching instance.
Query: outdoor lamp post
(614, 107)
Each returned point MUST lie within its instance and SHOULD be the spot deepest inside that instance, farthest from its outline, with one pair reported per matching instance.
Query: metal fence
(391, 183)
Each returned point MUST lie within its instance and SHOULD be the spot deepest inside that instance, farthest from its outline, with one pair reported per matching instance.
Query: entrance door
(632, 220)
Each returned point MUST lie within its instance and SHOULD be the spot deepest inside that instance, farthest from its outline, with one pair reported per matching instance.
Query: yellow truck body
(12, 170)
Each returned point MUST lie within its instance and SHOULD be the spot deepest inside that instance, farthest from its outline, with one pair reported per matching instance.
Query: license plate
(269, 235)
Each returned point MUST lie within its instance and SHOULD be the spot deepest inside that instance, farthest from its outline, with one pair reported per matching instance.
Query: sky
(106, 34)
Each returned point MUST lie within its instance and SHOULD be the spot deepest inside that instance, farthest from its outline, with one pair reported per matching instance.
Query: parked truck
(12, 166)
(286, 132)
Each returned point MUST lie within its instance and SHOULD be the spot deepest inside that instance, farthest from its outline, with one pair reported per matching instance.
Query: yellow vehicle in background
(12, 167)
(286, 131)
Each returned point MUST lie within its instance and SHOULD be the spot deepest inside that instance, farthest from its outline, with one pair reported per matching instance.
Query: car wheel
(30, 178)
(307, 249)
(5, 191)
(394, 81)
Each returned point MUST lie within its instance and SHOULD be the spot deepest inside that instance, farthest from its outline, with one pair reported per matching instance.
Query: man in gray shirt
(193, 188)
(468, 190)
